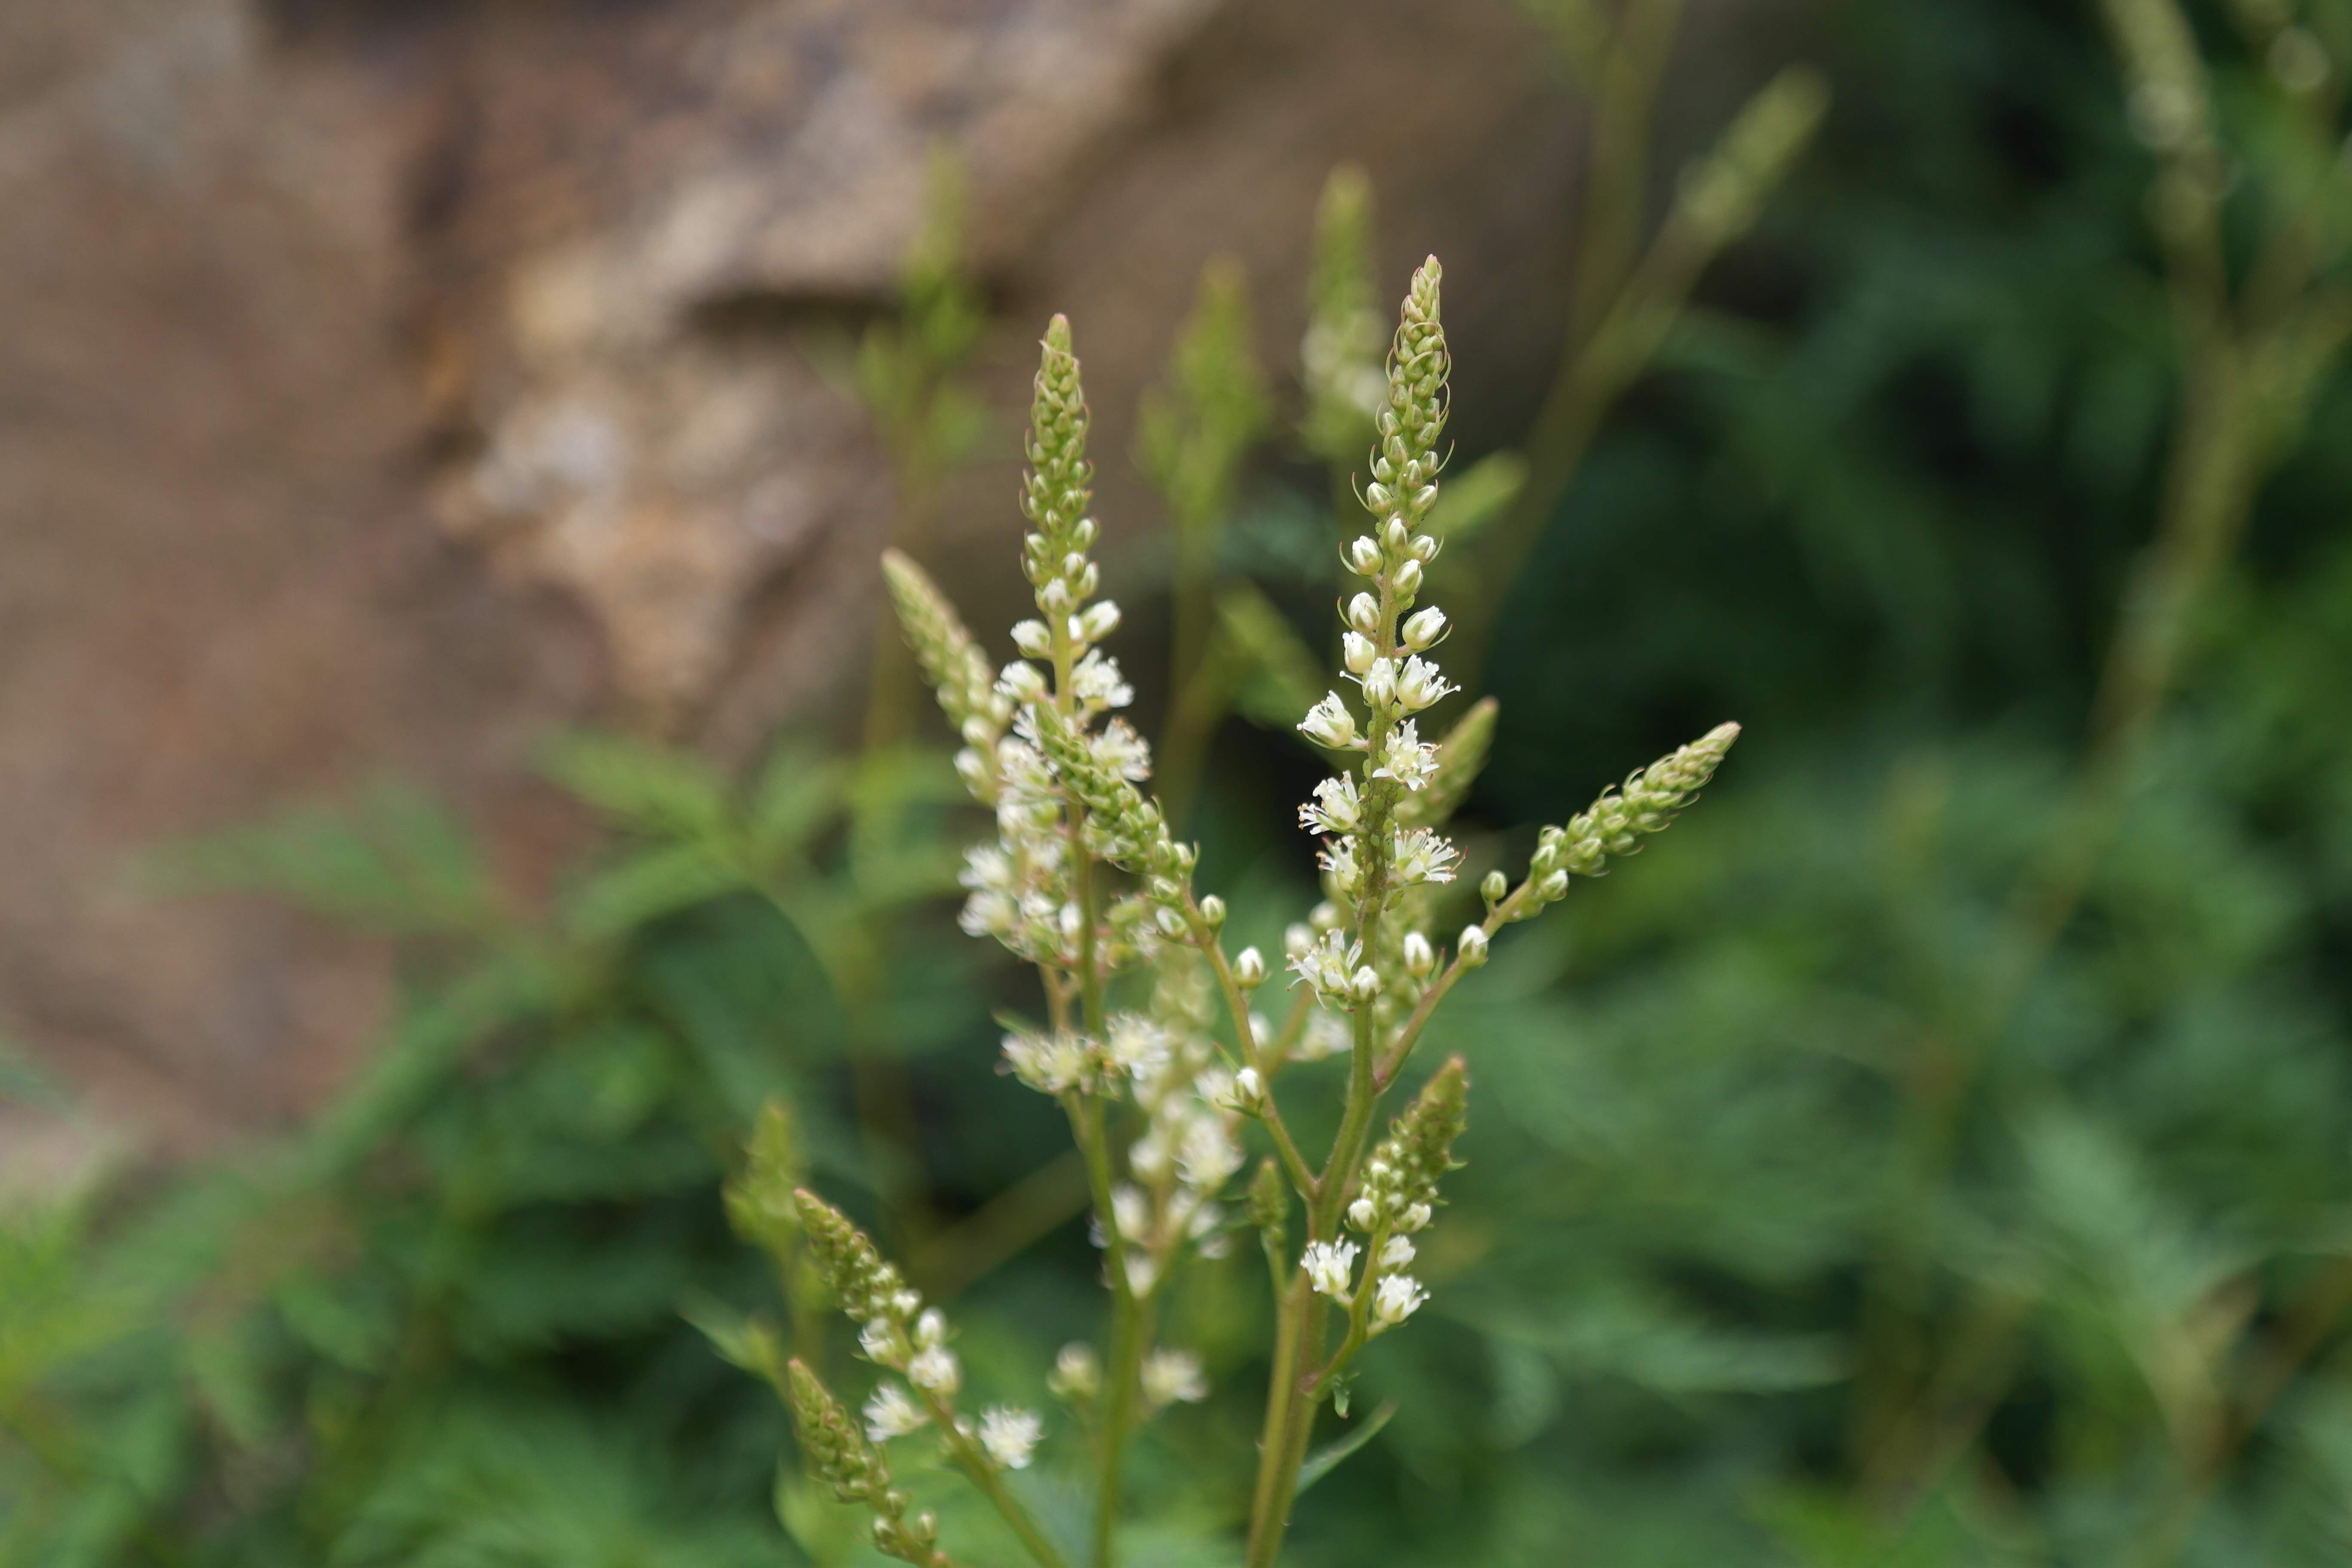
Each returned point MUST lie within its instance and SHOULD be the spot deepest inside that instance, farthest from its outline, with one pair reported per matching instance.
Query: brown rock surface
(386, 384)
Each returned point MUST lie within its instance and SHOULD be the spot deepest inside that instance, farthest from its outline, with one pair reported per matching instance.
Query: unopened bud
(1357, 652)
(1554, 886)
(1249, 969)
(1298, 939)
(1033, 639)
(1424, 627)
(1024, 682)
(1099, 619)
(1212, 910)
(1364, 555)
(1424, 498)
(1364, 614)
(1472, 946)
(1425, 548)
(1365, 983)
(1249, 1089)
(1376, 496)
(1493, 887)
(1406, 579)
(1395, 537)
(1420, 958)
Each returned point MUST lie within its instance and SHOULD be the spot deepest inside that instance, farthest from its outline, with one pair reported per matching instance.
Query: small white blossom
(1364, 555)
(1357, 652)
(1136, 1047)
(1173, 1377)
(1328, 723)
(1051, 1064)
(1472, 946)
(1249, 1089)
(891, 1414)
(1296, 938)
(1362, 1214)
(1131, 1210)
(1099, 619)
(1405, 758)
(1207, 1158)
(931, 1329)
(883, 1341)
(1330, 1266)
(1337, 856)
(1142, 1272)
(1365, 983)
(1420, 958)
(1327, 965)
(1098, 684)
(1416, 1217)
(1077, 1373)
(1249, 969)
(1379, 683)
(1418, 684)
(1364, 614)
(1395, 1299)
(1336, 808)
(1396, 1253)
(1009, 1435)
(1406, 579)
(1033, 639)
(1420, 856)
(1119, 748)
(935, 1368)
(1424, 627)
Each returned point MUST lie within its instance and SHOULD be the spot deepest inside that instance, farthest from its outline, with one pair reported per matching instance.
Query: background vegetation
(1933, 1152)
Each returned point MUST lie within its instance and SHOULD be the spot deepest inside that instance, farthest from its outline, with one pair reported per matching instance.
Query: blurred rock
(386, 384)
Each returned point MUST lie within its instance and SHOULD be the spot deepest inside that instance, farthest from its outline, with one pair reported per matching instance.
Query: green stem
(981, 1471)
(1130, 1332)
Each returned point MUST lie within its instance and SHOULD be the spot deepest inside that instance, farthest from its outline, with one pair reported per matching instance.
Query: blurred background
(452, 775)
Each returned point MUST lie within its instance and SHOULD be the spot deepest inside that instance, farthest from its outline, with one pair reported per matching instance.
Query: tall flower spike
(868, 1289)
(1055, 493)
(1399, 1184)
(837, 1454)
(1616, 823)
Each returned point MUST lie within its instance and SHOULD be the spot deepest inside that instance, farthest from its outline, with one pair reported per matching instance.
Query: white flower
(1137, 1046)
(1327, 965)
(1329, 722)
(1355, 652)
(1364, 555)
(1395, 1299)
(883, 1341)
(1326, 1035)
(1418, 684)
(1472, 946)
(935, 1368)
(1417, 1215)
(1329, 1266)
(1142, 1271)
(1364, 614)
(1033, 639)
(1420, 856)
(1009, 1435)
(1404, 759)
(1050, 1064)
(1365, 983)
(1336, 808)
(1249, 969)
(1096, 682)
(1122, 751)
(1131, 1210)
(1076, 1373)
(1021, 683)
(1338, 857)
(1098, 620)
(1362, 1214)
(1173, 1377)
(1420, 958)
(1424, 627)
(891, 1414)
(1248, 1090)
(931, 1329)
(1396, 1253)
(1406, 579)
(1379, 683)
(1207, 1158)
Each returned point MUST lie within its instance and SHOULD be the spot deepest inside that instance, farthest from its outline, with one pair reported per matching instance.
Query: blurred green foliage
(1790, 1234)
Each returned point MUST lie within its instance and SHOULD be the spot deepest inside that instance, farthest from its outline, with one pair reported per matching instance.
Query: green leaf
(1325, 1460)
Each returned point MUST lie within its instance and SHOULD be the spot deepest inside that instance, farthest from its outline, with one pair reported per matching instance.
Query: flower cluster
(1371, 855)
(1189, 1147)
(1395, 1201)
(1615, 824)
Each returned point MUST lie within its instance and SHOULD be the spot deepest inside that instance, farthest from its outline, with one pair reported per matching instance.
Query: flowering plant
(1152, 1042)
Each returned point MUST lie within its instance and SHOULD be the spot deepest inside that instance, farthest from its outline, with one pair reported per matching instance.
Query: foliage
(1933, 1155)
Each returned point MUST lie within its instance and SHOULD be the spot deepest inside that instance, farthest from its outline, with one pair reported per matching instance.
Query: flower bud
(1364, 614)
(1212, 910)
(1406, 579)
(1424, 498)
(1376, 496)
(1328, 723)
(1356, 652)
(1365, 983)
(1084, 585)
(1395, 537)
(1553, 887)
(1077, 1374)
(1494, 888)
(1420, 958)
(1424, 627)
(1033, 639)
(1362, 1213)
(1249, 1089)
(1073, 565)
(1024, 682)
(1472, 946)
(1084, 531)
(1249, 969)
(1099, 619)
(1171, 920)
(1379, 683)
(1298, 939)
(1327, 916)
(1425, 548)
(1364, 556)
(1055, 597)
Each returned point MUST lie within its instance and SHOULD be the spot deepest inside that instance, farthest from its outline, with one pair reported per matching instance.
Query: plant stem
(1130, 1332)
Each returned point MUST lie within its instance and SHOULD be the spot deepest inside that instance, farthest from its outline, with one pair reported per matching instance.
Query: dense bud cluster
(837, 1454)
(1615, 824)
